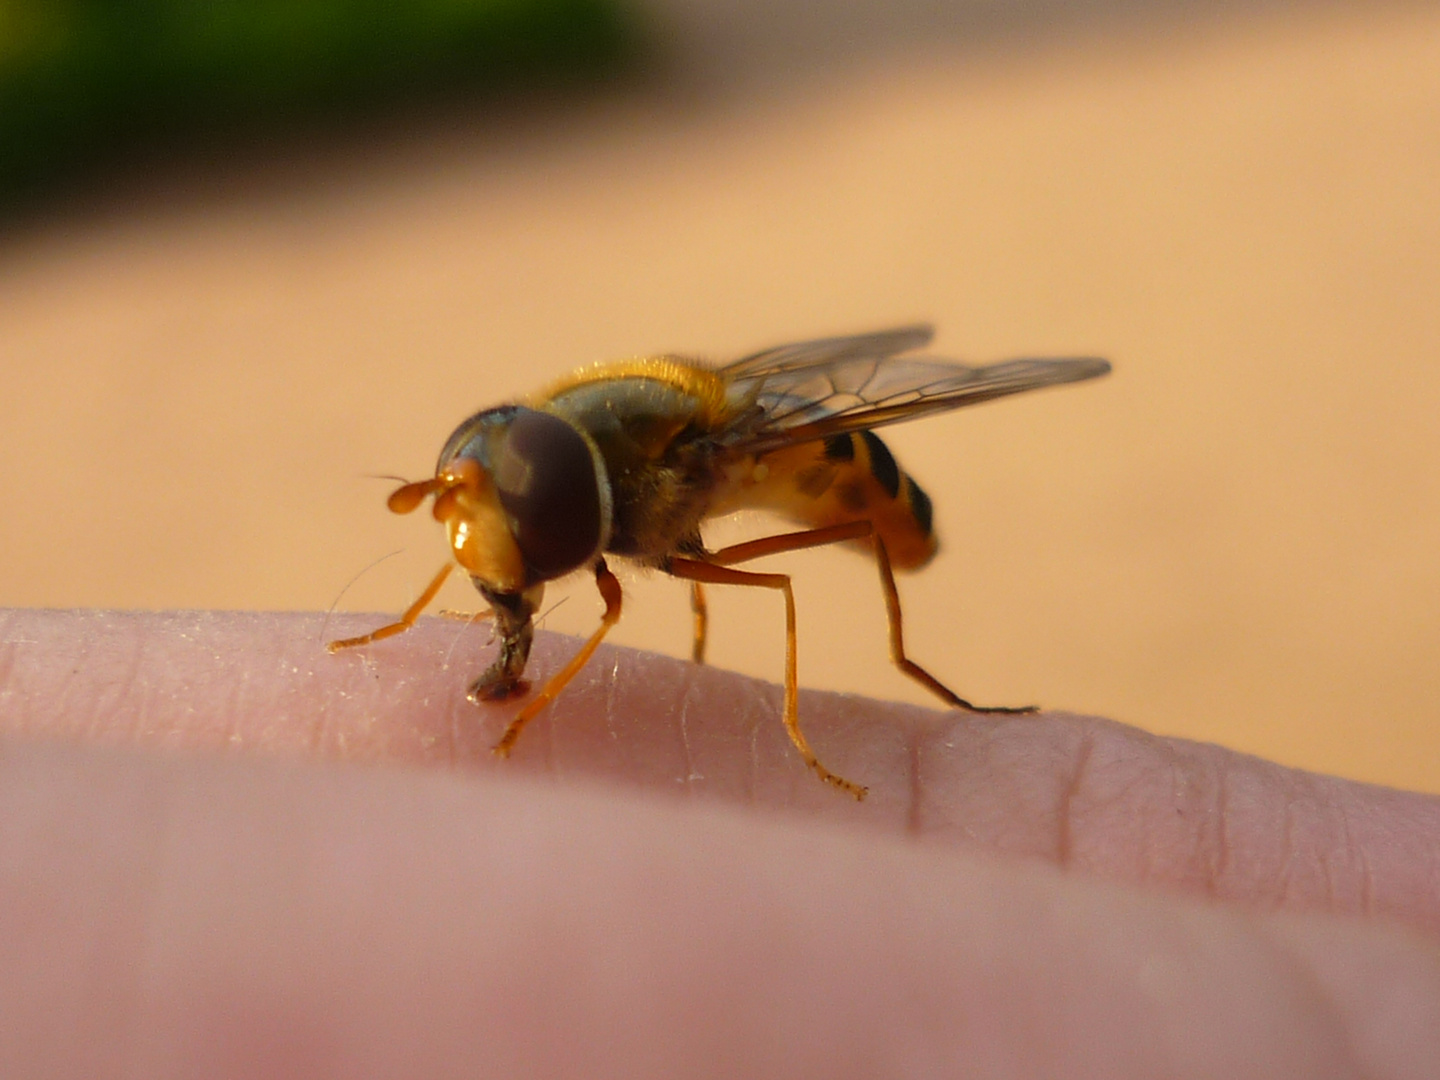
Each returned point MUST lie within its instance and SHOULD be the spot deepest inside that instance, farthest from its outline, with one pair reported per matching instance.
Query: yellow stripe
(706, 387)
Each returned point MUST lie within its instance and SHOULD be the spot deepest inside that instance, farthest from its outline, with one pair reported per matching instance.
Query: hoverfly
(629, 458)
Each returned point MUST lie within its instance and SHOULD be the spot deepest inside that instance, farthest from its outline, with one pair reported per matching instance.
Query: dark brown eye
(549, 484)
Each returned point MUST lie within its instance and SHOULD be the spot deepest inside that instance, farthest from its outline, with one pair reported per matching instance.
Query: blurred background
(252, 253)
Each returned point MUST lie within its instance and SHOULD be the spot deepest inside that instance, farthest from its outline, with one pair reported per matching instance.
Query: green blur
(85, 81)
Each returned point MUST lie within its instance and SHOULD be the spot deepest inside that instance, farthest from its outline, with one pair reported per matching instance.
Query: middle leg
(712, 573)
(702, 621)
(858, 530)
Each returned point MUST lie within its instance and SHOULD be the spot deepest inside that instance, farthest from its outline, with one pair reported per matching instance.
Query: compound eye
(549, 484)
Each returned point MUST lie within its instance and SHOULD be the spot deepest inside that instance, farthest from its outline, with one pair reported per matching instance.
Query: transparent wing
(821, 352)
(815, 389)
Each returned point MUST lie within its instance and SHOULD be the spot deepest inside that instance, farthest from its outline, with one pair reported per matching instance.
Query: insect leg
(405, 622)
(855, 530)
(897, 645)
(702, 621)
(710, 573)
(609, 588)
(796, 541)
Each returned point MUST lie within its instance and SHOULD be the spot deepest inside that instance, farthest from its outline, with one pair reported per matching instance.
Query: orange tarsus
(908, 666)
(702, 622)
(400, 625)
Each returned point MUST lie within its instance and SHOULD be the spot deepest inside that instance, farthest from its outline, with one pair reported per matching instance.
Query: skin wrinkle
(10, 702)
(1367, 882)
(57, 704)
(1135, 784)
(1280, 889)
(1330, 863)
(1362, 820)
(1110, 786)
(1220, 859)
(1046, 776)
(1172, 789)
(1434, 875)
(1202, 788)
(90, 710)
(233, 701)
(1362, 857)
(1339, 862)
(1210, 828)
(1400, 835)
(1339, 873)
(1296, 880)
(132, 687)
(1065, 805)
(9, 646)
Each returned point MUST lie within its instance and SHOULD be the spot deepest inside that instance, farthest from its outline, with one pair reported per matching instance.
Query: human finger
(243, 918)
(1077, 791)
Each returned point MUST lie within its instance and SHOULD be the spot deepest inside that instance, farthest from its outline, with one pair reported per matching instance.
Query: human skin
(225, 853)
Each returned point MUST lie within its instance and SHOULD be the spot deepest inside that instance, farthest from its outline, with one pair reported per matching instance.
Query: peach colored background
(1236, 537)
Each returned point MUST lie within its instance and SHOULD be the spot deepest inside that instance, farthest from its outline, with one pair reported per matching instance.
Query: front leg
(514, 625)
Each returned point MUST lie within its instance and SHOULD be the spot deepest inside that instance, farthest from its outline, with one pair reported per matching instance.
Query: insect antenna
(540, 619)
(325, 623)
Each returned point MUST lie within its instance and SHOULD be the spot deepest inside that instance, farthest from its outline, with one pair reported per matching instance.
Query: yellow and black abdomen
(847, 477)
